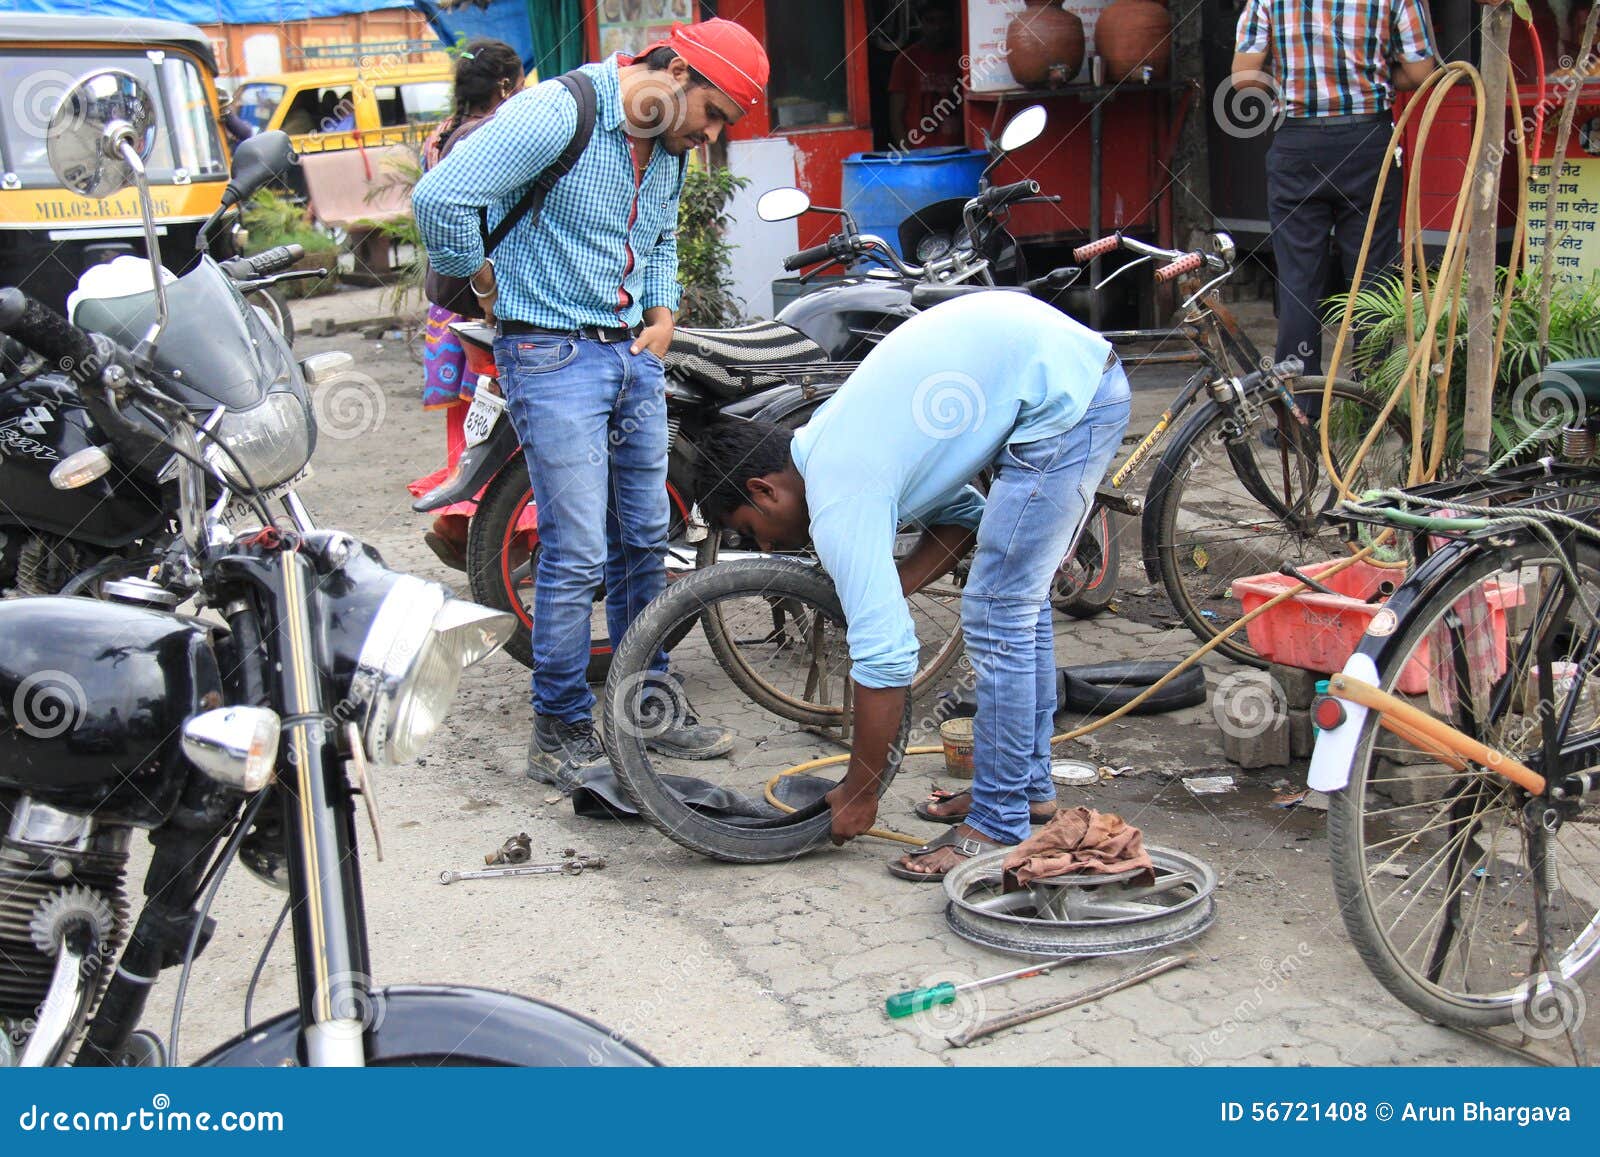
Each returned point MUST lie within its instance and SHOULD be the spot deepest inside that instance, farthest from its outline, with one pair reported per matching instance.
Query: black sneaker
(559, 753)
(688, 738)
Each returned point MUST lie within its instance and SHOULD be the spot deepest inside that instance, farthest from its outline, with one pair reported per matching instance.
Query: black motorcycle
(250, 733)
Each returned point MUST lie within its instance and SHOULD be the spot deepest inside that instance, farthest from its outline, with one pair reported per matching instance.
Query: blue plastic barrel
(883, 189)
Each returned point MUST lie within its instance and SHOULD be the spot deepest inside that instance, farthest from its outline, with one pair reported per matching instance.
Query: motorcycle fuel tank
(41, 425)
(849, 319)
(93, 697)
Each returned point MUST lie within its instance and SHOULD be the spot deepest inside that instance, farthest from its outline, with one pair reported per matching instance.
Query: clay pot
(1132, 34)
(1044, 45)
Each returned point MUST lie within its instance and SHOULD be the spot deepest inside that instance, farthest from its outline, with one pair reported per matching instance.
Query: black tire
(492, 557)
(1100, 688)
(1099, 555)
(1268, 542)
(759, 690)
(277, 307)
(1348, 846)
(748, 842)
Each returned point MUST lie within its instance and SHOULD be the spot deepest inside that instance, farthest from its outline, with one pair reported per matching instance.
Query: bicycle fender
(474, 469)
(1336, 747)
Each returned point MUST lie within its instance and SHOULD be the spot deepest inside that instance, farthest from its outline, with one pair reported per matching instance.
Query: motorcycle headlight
(272, 441)
(411, 661)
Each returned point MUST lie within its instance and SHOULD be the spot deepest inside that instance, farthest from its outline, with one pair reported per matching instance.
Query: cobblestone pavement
(713, 963)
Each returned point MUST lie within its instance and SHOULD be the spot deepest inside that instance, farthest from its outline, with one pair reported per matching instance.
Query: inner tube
(1100, 688)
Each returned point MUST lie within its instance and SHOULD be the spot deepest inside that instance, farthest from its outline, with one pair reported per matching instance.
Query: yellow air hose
(1440, 303)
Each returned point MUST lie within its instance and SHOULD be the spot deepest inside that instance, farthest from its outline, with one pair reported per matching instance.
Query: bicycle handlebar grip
(50, 335)
(806, 257)
(1086, 253)
(1188, 263)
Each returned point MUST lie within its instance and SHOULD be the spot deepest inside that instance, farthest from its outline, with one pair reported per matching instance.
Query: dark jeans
(592, 419)
(1321, 180)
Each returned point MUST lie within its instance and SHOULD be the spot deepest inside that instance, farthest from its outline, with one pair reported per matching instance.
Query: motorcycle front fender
(474, 469)
(450, 1024)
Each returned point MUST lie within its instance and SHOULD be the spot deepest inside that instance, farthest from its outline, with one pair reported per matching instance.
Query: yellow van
(384, 103)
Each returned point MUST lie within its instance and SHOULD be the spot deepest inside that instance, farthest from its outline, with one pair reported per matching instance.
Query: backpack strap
(532, 201)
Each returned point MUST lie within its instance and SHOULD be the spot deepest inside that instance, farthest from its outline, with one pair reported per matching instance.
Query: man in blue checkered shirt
(584, 294)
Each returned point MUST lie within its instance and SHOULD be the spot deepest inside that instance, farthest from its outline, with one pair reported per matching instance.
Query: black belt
(1366, 118)
(606, 333)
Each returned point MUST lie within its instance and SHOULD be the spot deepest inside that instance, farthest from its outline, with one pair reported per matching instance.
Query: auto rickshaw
(49, 236)
(386, 102)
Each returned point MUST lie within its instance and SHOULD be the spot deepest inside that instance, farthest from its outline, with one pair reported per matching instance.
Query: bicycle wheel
(732, 820)
(1437, 875)
(1229, 500)
(797, 664)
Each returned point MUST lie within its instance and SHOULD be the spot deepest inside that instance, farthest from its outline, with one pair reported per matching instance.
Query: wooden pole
(1496, 26)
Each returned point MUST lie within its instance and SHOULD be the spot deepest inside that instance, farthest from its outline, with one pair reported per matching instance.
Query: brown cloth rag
(1078, 839)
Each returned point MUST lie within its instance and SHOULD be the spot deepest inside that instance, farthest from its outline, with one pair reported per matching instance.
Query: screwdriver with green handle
(917, 999)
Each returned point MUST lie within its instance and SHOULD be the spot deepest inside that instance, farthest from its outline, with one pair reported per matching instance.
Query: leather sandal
(964, 846)
(939, 796)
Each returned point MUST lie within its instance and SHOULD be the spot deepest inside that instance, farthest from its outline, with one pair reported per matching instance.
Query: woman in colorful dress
(487, 73)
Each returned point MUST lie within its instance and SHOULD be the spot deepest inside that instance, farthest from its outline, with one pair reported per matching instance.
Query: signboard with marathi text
(1575, 241)
(987, 21)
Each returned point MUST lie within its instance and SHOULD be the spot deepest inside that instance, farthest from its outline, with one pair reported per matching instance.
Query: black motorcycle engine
(58, 872)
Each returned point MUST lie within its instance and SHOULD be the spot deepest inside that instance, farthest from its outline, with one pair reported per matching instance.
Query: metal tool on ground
(574, 866)
(1299, 575)
(903, 1004)
(517, 850)
(1045, 1008)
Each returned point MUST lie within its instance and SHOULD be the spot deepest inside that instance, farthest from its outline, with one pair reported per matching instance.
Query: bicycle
(1460, 748)
(1239, 487)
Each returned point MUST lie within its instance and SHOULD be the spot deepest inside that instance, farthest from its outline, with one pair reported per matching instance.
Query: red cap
(725, 54)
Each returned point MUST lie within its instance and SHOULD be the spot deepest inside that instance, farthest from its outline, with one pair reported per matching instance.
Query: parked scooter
(248, 740)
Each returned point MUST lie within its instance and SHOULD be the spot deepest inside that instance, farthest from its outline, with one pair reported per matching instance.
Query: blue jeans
(1041, 494)
(592, 420)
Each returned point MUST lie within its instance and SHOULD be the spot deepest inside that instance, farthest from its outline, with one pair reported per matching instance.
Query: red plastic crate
(1319, 632)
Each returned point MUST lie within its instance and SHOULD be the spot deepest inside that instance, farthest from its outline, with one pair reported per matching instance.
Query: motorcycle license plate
(239, 509)
(481, 417)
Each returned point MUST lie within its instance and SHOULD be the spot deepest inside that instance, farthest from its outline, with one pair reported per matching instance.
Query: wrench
(572, 867)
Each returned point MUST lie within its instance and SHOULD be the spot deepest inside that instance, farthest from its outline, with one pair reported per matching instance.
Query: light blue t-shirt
(927, 410)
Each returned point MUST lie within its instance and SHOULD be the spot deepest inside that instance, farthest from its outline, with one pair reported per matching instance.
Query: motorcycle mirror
(98, 139)
(1023, 129)
(257, 161)
(782, 204)
(101, 133)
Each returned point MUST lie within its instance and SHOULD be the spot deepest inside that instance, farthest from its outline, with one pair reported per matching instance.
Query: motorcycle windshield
(215, 345)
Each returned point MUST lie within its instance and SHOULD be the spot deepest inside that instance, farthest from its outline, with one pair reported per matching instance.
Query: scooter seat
(728, 362)
(475, 333)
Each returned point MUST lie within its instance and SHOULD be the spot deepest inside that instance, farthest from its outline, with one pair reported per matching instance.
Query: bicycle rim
(1224, 505)
(1437, 874)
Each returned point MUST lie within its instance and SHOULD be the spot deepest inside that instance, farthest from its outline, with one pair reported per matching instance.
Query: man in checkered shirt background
(584, 294)
(1334, 67)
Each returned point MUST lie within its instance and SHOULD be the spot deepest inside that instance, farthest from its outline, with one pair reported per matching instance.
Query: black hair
(732, 453)
(660, 59)
(482, 66)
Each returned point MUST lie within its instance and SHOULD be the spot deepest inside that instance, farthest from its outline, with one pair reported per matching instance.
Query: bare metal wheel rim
(1082, 915)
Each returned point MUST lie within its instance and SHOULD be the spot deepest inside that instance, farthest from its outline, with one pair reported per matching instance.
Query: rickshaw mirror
(101, 133)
